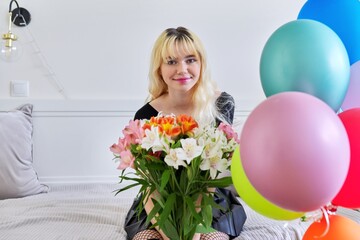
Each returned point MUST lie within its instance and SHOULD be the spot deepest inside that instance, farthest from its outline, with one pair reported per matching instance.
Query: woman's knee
(214, 236)
(148, 234)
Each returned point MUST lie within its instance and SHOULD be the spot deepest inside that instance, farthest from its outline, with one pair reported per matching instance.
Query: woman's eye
(171, 62)
(191, 60)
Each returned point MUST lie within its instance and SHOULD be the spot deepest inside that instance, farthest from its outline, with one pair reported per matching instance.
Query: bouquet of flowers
(176, 163)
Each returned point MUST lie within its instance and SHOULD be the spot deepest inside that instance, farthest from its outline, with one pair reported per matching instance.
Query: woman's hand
(149, 205)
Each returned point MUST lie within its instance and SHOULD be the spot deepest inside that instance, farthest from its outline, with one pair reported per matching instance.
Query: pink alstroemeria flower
(121, 146)
(229, 132)
(126, 160)
(133, 133)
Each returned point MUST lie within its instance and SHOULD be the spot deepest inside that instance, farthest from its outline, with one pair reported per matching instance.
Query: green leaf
(201, 229)
(219, 183)
(209, 200)
(171, 231)
(207, 215)
(122, 174)
(157, 207)
(192, 209)
(189, 228)
(126, 188)
(139, 180)
(169, 205)
(140, 164)
(156, 167)
(183, 181)
(189, 172)
(177, 144)
(164, 179)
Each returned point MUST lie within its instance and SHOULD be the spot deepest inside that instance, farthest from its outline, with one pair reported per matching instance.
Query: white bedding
(91, 211)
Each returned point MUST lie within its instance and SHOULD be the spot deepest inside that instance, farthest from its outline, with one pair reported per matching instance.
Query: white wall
(99, 49)
(72, 138)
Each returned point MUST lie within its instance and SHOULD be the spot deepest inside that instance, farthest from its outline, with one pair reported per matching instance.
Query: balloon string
(326, 216)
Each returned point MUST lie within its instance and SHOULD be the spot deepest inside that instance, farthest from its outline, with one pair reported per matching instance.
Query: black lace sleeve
(226, 106)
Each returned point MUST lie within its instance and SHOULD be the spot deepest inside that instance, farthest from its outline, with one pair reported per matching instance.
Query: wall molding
(76, 105)
(93, 107)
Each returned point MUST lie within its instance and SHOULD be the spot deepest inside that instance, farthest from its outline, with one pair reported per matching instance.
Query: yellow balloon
(252, 197)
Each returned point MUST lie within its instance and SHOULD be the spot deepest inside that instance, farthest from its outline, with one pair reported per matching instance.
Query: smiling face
(178, 62)
(181, 71)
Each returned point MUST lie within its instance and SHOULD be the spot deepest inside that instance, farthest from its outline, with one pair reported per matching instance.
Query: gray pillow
(17, 176)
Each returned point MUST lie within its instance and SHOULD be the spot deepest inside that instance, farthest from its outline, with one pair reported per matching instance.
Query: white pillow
(17, 176)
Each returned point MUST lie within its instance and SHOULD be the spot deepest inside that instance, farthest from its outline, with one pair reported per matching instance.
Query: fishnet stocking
(155, 235)
(214, 236)
(148, 234)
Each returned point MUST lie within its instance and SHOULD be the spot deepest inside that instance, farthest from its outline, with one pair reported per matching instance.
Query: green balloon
(253, 198)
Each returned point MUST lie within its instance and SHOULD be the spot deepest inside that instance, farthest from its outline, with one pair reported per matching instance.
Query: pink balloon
(295, 151)
(352, 97)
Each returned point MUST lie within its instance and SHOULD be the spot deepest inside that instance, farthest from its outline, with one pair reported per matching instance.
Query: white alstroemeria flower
(165, 141)
(214, 164)
(220, 136)
(201, 141)
(212, 148)
(198, 132)
(152, 140)
(217, 141)
(176, 158)
(191, 149)
(209, 159)
(230, 146)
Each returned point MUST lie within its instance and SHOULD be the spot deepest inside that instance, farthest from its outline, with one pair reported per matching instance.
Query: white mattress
(91, 211)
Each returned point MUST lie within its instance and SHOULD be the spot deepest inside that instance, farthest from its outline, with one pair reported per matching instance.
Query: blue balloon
(306, 56)
(342, 16)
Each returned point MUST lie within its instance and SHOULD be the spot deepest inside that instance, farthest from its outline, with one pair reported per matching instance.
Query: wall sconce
(10, 49)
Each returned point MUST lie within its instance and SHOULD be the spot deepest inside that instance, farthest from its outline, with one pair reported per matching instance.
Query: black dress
(229, 221)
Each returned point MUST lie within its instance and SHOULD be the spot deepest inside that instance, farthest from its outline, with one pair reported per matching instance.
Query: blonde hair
(167, 45)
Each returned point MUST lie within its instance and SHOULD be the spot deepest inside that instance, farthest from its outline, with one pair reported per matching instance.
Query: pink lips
(182, 80)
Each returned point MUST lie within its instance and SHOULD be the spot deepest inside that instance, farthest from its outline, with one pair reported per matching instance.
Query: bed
(50, 190)
(91, 211)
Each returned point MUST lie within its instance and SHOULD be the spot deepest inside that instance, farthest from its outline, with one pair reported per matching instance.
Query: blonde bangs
(173, 46)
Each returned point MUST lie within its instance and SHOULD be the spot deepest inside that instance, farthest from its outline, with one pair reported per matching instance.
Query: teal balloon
(306, 56)
(342, 16)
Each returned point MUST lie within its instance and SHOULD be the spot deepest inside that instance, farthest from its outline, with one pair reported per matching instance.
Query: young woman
(180, 84)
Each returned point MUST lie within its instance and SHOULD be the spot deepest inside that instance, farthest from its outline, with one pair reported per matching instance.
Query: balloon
(349, 195)
(352, 97)
(252, 197)
(342, 16)
(339, 228)
(295, 151)
(306, 56)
